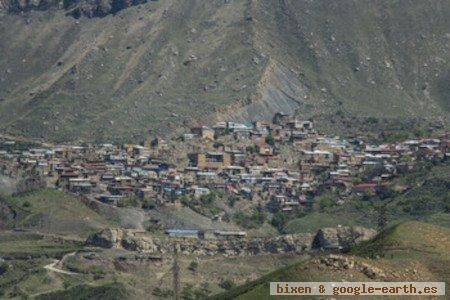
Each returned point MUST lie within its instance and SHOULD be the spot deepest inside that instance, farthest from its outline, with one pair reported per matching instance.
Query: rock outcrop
(131, 240)
(341, 238)
(107, 238)
(126, 239)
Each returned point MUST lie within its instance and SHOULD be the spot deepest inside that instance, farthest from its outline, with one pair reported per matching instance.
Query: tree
(209, 198)
(269, 139)
(279, 221)
(148, 204)
(188, 292)
(4, 267)
(324, 201)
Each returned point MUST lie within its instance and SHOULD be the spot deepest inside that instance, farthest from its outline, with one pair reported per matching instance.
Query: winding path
(52, 266)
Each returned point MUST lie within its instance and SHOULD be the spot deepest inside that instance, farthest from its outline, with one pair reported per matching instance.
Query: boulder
(107, 238)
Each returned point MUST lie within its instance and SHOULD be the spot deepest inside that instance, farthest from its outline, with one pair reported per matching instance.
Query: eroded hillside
(155, 66)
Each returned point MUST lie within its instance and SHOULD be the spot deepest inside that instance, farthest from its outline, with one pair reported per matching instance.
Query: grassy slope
(109, 291)
(24, 245)
(412, 251)
(123, 76)
(56, 223)
(26, 255)
(52, 211)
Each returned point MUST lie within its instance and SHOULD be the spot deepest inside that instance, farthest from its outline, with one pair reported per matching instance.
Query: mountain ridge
(152, 68)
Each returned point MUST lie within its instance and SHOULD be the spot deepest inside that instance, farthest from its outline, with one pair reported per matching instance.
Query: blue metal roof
(183, 231)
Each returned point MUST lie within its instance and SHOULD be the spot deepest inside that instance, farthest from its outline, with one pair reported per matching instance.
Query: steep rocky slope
(98, 70)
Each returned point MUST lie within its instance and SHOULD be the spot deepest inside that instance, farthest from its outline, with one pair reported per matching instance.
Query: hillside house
(210, 160)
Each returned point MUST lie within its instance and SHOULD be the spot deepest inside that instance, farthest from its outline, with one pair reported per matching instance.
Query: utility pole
(176, 274)
(382, 221)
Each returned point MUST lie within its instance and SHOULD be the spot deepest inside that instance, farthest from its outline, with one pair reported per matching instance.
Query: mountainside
(121, 70)
(411, 251)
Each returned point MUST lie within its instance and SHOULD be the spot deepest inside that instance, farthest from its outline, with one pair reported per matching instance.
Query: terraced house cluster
(280, 165)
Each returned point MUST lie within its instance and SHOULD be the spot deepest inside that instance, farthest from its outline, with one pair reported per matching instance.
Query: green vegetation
(269, 139)
(162, 293)
(193, 266)
(148, 204)
(227, 284)
(190, 292)
(324, 201)
(205, 204)
(250, 221)
(23, 245)
(110, 291)
(153, 226)
(279, 220)
(131, 201)
(50, 210)
(25, 277)
(74, 264)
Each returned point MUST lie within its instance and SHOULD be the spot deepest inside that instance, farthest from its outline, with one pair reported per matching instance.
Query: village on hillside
(280, 165)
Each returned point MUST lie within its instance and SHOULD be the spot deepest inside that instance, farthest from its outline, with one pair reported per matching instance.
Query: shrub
(324, 201)
(279, 221)
(232, 200)
(372, 120)
(227, 284)
(269, 139)
(208, 199)
(3, 268)
(193, 266)
(148, 204)
(249, 222)
(163, 293)
(131, 201)
(97, 271)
